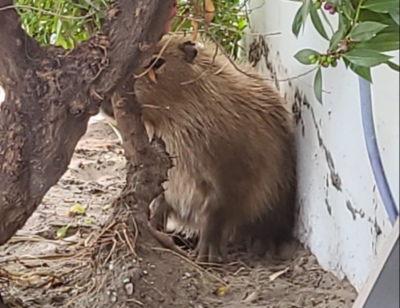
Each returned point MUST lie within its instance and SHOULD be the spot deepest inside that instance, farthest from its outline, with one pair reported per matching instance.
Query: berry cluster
(324, 60)
(327, 6)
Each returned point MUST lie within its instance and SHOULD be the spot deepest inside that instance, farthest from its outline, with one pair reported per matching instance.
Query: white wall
(345, 227)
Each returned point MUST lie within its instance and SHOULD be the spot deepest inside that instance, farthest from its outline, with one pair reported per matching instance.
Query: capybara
(232, 136)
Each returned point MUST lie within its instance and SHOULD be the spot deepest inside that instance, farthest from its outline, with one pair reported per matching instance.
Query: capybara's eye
(156, 63)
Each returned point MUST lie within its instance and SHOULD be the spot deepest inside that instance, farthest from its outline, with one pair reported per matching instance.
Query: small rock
(129, 288)
(113, 298)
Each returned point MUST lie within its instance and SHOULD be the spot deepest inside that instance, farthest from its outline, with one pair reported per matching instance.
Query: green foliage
(62, 23)
(67, 22)
(365, 30)
(227, 26)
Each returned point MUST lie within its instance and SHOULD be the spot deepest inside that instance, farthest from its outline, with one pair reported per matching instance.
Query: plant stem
(358, 11)
(354, 21)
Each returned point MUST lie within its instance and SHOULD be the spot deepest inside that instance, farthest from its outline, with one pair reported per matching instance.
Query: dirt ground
(39, 269)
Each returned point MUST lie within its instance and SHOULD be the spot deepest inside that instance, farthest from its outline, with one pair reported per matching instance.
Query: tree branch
(51, 94)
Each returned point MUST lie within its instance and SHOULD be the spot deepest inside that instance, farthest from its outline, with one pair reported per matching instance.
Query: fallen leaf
(278, 274)
(89, 221)
(62, 232)
(221, 291)
(76, 209)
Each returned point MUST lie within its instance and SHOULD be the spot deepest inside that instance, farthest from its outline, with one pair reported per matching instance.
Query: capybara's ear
(189, 49)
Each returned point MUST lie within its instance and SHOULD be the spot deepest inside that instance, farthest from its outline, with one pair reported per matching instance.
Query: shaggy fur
(232, 136)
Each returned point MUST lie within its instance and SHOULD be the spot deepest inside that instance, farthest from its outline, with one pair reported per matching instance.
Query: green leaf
(62, 232)
(344, 21)
(365, 57)
(395, 15)
(89, 221)
(346, 62)
(301, 16)
(77, 209)
(382, 42)
(297, 22)
(366, 30)
(393, 66)
(367, 15)
(387, 19)
(381, 6)
(348, 9)
(307, 6)
(316, 20)
(304, 56)
(242, 25)
(318, 85)
(364, 72)
(337, 37)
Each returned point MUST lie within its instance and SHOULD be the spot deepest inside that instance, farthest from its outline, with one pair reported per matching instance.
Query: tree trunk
(51, 94)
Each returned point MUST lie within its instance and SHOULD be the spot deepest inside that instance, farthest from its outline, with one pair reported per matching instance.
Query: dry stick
(51, 94)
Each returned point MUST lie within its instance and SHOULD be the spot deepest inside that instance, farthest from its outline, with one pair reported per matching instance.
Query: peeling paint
(299, 101)
(354, 212)
(328, 207)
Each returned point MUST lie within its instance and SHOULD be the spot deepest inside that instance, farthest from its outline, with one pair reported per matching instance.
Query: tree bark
(51, 94)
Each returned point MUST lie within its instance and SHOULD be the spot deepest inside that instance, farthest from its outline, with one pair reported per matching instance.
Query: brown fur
(232, 136)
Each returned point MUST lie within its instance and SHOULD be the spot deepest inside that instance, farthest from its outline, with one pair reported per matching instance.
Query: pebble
(129, 288)
(113, 297)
